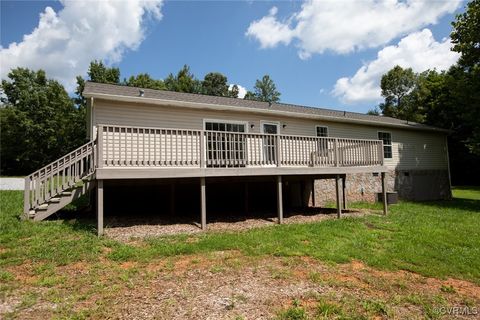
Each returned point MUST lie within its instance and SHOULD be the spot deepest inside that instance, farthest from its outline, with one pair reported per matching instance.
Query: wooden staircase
(59, 183)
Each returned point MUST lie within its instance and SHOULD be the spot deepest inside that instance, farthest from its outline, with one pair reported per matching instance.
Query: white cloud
(346, 26)
(242, 91)
(418, 51)
(64, 42)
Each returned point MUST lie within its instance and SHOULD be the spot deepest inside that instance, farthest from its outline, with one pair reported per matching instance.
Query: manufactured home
(303, 156)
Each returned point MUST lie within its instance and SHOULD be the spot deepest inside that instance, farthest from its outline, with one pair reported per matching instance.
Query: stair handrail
(59, 175)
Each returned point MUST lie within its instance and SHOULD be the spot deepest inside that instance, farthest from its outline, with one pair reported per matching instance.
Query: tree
(466, 39)
(215, 84)
(233, 92)
(397, 86)
(264, 90)
(466, 35)
(39, 122)
(250, 96)
(97, 72)
(374, 112)
(143, 80)
(184, 81)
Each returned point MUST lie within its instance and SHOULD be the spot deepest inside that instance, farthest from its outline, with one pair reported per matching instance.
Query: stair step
(43, 206)
(54, 200)
(66, 193)
(31, 213)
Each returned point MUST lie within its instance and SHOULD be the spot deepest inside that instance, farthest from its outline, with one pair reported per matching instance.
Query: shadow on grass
(457, 203)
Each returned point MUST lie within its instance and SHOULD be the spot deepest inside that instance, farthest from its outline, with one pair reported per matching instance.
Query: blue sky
(295, 43)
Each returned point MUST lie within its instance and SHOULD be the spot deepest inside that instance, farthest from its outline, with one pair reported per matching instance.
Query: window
(226, 127)
(225, 145)
(386, 137)
(322, 131)
(322, 144)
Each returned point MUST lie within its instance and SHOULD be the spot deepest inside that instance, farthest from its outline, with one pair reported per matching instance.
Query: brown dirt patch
(227, 284)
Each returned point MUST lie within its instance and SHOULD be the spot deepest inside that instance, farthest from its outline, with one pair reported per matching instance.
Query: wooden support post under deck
(279, 199)
(203, 203)
(337, 192)
(172, 198)
(384, 195)
(313, 193)
(246, 198)
(100, 207)
(344, 192)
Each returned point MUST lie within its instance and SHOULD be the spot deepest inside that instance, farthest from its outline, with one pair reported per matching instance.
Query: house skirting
(417, 185)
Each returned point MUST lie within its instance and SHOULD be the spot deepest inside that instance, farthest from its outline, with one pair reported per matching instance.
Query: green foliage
(448, 99)
(215, 84)
(184, 81)
(264, 90)
(39, 122)
(397, 87)
(466, 35)
(97, 72)
(374, 112)
(295, 312)
(233, 93)
(143, 80)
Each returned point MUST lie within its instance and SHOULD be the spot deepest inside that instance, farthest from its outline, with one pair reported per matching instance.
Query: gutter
(207, 106)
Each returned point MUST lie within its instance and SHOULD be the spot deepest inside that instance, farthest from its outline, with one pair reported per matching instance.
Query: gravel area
(12, 183)
(126, 229)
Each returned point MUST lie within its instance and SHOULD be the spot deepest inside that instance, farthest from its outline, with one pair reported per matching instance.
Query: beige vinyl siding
(411, 149)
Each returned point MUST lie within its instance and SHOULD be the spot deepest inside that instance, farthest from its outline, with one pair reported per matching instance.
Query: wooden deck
(122, 152)
(139, 153)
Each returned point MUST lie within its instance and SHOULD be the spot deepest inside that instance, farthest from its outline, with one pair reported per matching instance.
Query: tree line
(447, 99)
(40, 122)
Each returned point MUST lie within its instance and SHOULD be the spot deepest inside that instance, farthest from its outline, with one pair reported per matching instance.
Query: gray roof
(102, 89)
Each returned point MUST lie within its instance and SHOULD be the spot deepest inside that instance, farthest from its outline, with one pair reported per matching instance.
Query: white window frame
(321, 126)
(275, 123)
(391, 143)
(245, 123)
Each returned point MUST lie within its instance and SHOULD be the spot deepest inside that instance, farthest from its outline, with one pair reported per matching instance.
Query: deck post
(172, 198)
(337, 192)
(335, 146)
(100, 146)
(278, 152)
(384, 195)
(203, 204)
(26, 197)
(100, 207)
(202, 149)
(246, 198)
(344, 192)
(313, 193)
(279, 199)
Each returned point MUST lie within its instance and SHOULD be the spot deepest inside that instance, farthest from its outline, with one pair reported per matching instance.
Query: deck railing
(122, 146)
(58, 176)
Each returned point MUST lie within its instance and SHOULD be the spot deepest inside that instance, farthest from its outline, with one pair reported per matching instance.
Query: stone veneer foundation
(417, 185)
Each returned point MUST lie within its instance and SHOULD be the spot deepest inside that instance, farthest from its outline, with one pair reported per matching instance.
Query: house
(308, 155)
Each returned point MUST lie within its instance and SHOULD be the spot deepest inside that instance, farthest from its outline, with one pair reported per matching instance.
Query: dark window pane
(270, 128)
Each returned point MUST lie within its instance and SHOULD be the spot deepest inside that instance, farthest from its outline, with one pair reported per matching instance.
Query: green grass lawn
(438, 239)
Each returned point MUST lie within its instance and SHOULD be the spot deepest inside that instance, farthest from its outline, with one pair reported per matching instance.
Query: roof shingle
(93, 88)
